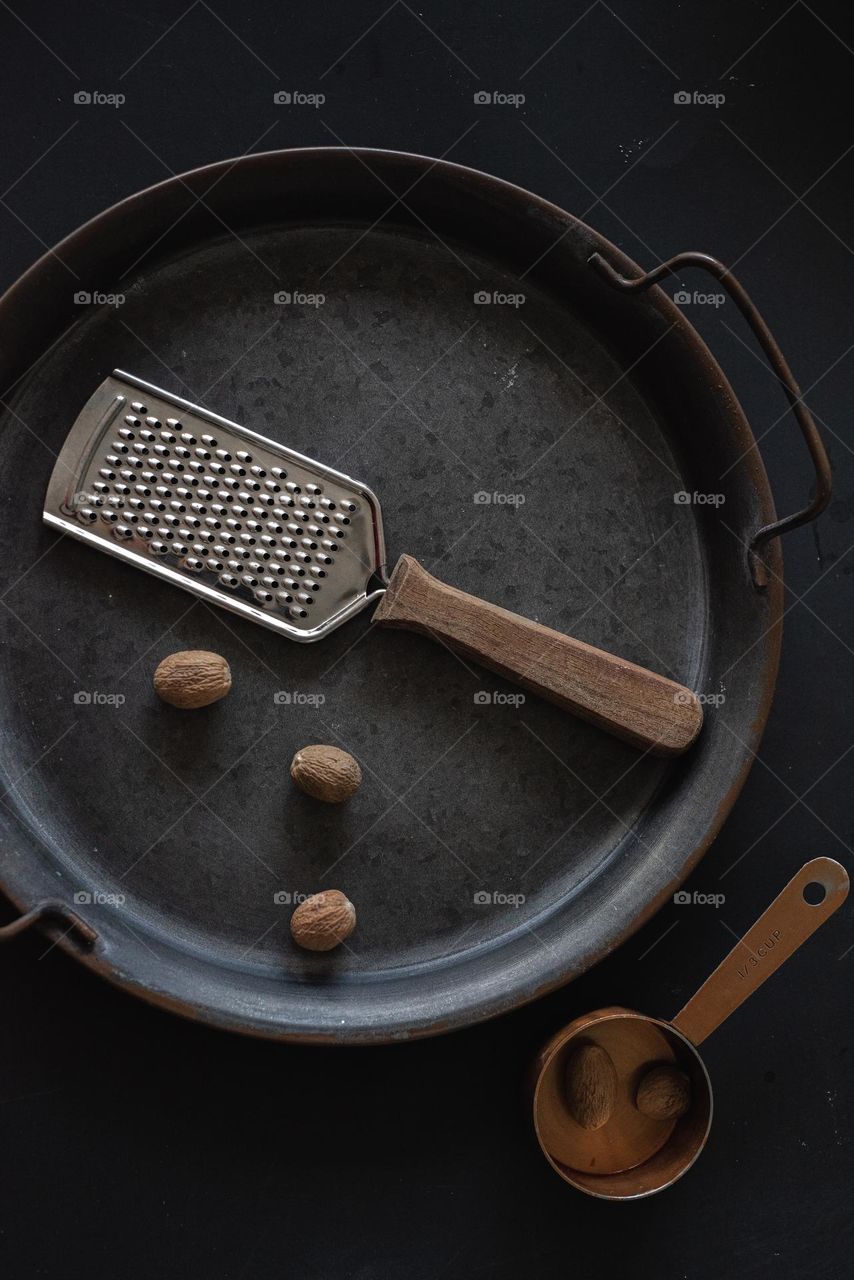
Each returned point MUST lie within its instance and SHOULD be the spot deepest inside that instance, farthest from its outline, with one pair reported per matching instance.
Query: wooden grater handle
(639, 706)
(777, 934)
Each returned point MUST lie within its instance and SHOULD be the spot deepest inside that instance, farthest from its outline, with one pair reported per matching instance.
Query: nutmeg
(192, 678)
(591, 1086)
(323, 921)
(664, 1093)
(326, 773)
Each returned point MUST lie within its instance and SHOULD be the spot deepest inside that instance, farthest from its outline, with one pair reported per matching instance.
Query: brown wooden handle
(639, 706)
(788, 922)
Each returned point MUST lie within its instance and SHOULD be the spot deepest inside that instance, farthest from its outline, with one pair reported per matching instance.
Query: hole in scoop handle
(777, 934)
(639, 706)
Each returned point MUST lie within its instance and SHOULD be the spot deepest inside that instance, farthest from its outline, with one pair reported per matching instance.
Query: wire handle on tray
(778, 363)
(53, 913)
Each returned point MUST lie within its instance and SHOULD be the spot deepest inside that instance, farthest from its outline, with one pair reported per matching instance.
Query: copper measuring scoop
(633, 1155)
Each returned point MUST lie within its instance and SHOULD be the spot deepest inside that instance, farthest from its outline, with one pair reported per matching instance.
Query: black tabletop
(137, 1144)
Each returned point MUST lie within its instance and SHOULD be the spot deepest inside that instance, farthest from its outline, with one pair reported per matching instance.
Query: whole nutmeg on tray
(664, 1093)
(323, 921)
(192, 678)
(591, 1086)
(326, 773)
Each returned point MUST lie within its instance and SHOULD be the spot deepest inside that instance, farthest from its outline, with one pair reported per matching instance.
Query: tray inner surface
(478, 426)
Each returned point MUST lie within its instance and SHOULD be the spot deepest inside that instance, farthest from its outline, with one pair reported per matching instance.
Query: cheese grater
(275, 537)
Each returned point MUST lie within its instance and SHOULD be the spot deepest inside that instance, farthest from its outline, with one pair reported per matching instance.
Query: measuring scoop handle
(788, 922)
(641, 707)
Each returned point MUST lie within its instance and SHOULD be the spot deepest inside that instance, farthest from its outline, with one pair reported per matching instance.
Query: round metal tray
(527, 450)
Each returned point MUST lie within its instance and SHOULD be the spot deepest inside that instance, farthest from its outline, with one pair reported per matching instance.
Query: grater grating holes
(216, 512)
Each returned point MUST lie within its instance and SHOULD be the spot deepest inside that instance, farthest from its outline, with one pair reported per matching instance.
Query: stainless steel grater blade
(237, 519)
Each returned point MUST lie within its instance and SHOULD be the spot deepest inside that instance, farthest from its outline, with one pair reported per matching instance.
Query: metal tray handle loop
(776, 359)
(54, 913)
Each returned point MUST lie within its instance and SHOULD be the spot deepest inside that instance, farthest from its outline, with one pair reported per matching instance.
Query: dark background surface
(137, 1144)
